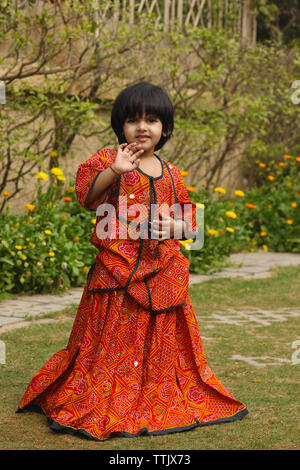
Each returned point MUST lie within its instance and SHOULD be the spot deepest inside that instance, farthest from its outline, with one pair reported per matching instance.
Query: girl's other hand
(127, 158)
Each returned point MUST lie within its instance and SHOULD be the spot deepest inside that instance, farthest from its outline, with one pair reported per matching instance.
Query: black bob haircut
(139, 99)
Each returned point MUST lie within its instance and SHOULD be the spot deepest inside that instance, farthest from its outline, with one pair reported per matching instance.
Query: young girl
(134, 363)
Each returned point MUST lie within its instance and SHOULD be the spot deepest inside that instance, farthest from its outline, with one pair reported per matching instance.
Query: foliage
(266, 217)
(232, 102)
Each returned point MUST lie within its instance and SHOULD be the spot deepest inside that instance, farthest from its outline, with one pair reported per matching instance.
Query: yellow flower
(198, 204)
(262, 165)
(289, 221)
(56, 171)
(31, 244)
(229, 229)
(85, 269)
(24, 257)
(51, 253)
(30, 207)
(265, 247)
(270, 177)
(294, 204)
(61, 178)
(263, 234)
(53, 153)
(186, 243)
(190, 188)
(222, 231)
(213, 232)
(290, 183)
(48, 232)
(231, 214)
(298, 159)
(71, 189)
(184, 173)
(220, 190)
(42, 176)
(94, 221)
(18, 247)
(238, 192)
(281, 164)
(6, 193)
(287, 157)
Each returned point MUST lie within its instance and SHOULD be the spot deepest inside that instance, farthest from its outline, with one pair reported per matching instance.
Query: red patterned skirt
(126, 372)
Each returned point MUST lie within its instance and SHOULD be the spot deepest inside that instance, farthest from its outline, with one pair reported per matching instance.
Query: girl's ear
(164, 134)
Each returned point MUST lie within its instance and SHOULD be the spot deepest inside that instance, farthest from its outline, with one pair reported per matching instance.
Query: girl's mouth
(142, 138)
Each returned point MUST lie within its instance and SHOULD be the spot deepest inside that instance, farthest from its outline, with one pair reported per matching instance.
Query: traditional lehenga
(134, 363)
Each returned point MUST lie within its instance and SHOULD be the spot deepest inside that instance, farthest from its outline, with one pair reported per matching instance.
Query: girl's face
(145, 130)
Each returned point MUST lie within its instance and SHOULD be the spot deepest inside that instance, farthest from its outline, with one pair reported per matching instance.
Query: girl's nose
(142, 124)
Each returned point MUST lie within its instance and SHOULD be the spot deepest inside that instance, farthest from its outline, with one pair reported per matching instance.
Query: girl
(134, 363)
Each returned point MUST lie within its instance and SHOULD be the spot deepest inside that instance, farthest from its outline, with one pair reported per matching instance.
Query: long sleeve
(87, 175)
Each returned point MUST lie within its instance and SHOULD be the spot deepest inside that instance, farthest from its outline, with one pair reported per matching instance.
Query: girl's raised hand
(127, 158)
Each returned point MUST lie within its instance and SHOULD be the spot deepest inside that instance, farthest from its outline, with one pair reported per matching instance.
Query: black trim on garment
(57, 427)
(190, 234)
(89, 191)
(151, 188)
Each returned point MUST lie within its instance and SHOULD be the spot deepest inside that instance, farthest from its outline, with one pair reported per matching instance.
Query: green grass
(271, 392)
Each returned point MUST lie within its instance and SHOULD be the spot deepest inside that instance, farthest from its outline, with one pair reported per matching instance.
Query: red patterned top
(124, 262)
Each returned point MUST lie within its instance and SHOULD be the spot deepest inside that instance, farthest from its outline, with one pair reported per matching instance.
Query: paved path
(14, 312)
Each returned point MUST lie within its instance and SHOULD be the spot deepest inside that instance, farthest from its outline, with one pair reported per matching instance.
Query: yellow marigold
(281, 164)
(184, 173)
(30, 207)
(270, 177)
(220, 190)
(238, 192)
(61, 178)
(190, 188)
(231, 214)
(18, 247)
(51, 253)
(294, 204)
(265, 247)
(71, 189)
(185, 244)
(42, 176)
(252, 206)
(200, 205)
(298, 159)
(56, 171)
(290, 183)
(263, 234)
(229, 229)
(269, 206)
(6, 193)
(67, 199)
(203, 184)
(31, 244)
(213, 232)
(94, 221)
(289, 221)
(48, 232)
(85, 269)
(24, 257)
(53, 153)
(262, 165)
(287, 157)
(222, 231)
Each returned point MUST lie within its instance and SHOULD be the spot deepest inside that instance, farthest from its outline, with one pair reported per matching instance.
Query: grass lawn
(247, 327)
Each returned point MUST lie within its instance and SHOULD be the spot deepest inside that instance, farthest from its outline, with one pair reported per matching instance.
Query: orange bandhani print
(134, 363)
